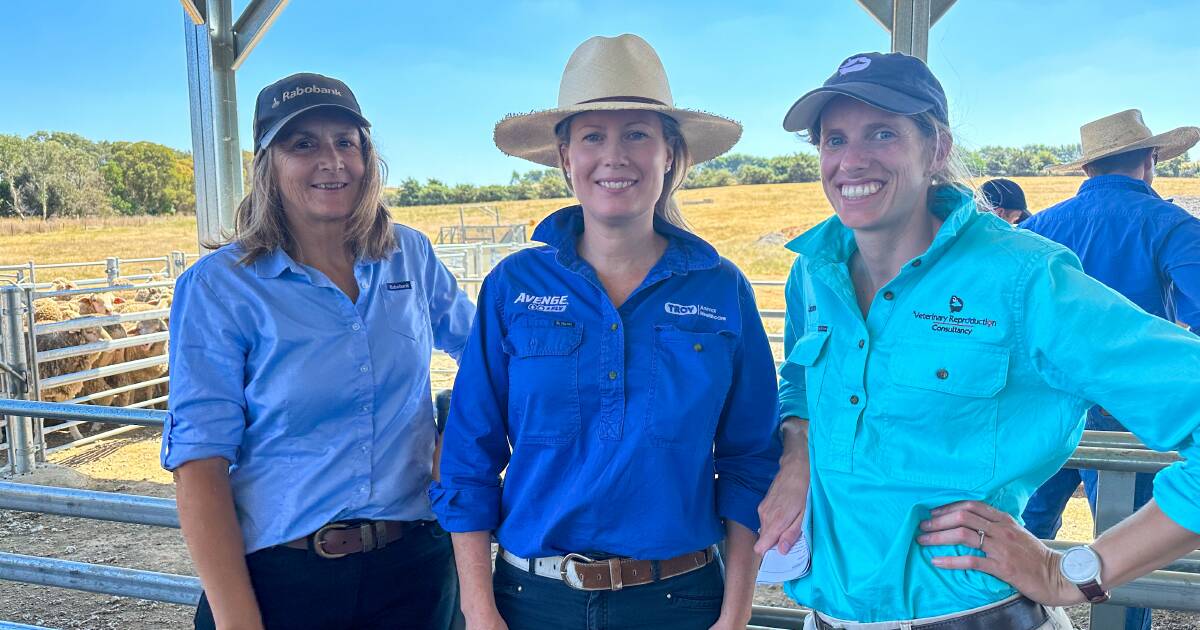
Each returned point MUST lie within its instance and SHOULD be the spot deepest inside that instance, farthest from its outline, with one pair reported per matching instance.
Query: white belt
(554, 567)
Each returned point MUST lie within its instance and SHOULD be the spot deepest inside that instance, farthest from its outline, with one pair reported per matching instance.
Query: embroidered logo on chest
(403, 285)
(543, 303)
(953, 323)
(693, 309)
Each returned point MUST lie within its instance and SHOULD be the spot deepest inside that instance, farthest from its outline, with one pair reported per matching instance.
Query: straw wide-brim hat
(613, 73)
(1123, 132)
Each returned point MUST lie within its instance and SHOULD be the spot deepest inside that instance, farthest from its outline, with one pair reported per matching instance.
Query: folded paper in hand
(777, 567)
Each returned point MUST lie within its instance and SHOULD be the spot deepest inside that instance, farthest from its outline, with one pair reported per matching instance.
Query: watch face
(1080, 564)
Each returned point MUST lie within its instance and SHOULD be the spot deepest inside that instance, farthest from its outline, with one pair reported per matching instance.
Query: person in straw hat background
(625, 363)
(1132, 240)
(938, 366)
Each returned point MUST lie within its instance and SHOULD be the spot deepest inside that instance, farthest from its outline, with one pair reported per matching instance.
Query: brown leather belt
(1019, 614)
(585, 574)
(339, 539)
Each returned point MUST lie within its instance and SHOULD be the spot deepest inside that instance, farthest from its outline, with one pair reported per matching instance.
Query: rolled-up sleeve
(475, 446)
(450, 310)
(207, 365)
(793, 396)
(1179, 259)
(746, 448)
(1086, 339)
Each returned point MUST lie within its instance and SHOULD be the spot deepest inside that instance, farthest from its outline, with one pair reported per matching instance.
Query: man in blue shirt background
(1132, 240)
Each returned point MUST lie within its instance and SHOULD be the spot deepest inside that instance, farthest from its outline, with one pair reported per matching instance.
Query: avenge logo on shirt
(543, 303)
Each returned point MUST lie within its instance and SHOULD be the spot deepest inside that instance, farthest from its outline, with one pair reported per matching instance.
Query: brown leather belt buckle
(372, 536)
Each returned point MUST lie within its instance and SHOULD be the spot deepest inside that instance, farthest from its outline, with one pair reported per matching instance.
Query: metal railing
(1114, 455)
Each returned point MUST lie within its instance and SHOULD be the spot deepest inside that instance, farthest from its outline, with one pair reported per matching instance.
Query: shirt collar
(832, 242)
(273, 264)
(685, 251)
(1121, 182)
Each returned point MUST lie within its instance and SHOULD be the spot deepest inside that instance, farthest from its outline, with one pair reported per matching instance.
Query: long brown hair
(665, 207)
(260, 226)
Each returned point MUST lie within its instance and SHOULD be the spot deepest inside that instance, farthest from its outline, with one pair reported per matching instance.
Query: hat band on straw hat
(625, 99)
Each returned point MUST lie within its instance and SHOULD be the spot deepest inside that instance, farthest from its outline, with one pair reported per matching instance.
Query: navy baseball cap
(289, 97)
(893, 82)
(1004, 193)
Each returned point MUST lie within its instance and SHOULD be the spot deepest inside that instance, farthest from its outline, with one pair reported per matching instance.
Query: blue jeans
(1043, 514)
(526, 601)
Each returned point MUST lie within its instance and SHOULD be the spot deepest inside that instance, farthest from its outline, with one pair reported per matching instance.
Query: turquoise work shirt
(968, 379)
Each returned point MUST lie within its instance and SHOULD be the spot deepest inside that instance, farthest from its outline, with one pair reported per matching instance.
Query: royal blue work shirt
(1132, 240)
(611, 421)
(322, 406)
(967, 380)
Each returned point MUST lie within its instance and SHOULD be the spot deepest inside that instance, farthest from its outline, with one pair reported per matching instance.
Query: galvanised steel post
(20, 428)
(178, 264)
(1114, 502)
(212, 91)
(33, 389)
(112, 269)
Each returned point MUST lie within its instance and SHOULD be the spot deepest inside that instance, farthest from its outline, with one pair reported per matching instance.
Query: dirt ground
(129, 464)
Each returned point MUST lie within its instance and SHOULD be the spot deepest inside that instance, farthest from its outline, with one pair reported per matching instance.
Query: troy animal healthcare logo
(693, 309)
(312, 89)
(543, 303)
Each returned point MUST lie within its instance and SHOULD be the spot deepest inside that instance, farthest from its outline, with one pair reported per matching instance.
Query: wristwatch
(1081, 566)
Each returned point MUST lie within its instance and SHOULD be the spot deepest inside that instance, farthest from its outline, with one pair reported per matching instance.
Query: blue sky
(434, 77)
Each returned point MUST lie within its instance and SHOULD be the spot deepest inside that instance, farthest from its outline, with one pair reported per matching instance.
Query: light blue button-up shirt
(968, 379)
(321, 405)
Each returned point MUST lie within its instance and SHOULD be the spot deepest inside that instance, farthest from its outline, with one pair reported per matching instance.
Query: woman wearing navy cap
(302, 431)
(939, 364)
(625, 364)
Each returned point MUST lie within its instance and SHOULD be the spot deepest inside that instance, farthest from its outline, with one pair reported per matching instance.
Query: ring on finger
(982, 535)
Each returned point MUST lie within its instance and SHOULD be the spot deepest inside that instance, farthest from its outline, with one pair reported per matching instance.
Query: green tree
(149, 178)
(434, 192)
(752, 174)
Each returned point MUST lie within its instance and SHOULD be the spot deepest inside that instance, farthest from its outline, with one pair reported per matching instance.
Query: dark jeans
(1043, 514)
(409, 584)
(691, 601)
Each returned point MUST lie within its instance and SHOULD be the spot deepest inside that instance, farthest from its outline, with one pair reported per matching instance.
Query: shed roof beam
(250, 27)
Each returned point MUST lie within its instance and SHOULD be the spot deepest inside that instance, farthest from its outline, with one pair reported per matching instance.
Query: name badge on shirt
(403, 285)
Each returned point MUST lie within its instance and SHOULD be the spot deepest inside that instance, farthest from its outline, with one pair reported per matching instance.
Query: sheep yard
(747, 224)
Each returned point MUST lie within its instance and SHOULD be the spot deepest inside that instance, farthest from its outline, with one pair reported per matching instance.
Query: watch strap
(1093, 592)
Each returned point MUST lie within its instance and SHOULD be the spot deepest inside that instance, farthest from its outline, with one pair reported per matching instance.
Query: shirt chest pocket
(407, 313)
(690, 377)
(940, 413)
(543, 377)
(805, 366)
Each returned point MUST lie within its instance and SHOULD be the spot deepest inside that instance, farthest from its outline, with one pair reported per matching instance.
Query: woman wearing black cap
(1006, 200)
(301, 431)
(938, 367)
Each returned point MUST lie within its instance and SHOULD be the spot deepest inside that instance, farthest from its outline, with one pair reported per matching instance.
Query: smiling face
(876, 166)
(318, 166)
(617, 161)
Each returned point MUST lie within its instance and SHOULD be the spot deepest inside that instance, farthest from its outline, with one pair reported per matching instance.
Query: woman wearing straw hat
(302, 430)
(938, 367)
(625, 363)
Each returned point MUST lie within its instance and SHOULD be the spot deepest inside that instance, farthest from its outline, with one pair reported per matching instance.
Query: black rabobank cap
(893, 82)
(289, 97)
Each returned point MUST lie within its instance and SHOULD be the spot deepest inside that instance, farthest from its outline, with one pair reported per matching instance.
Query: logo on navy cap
(854, 64)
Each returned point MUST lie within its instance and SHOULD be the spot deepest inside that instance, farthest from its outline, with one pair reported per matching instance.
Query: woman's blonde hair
(665, 208)
(260, 226)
